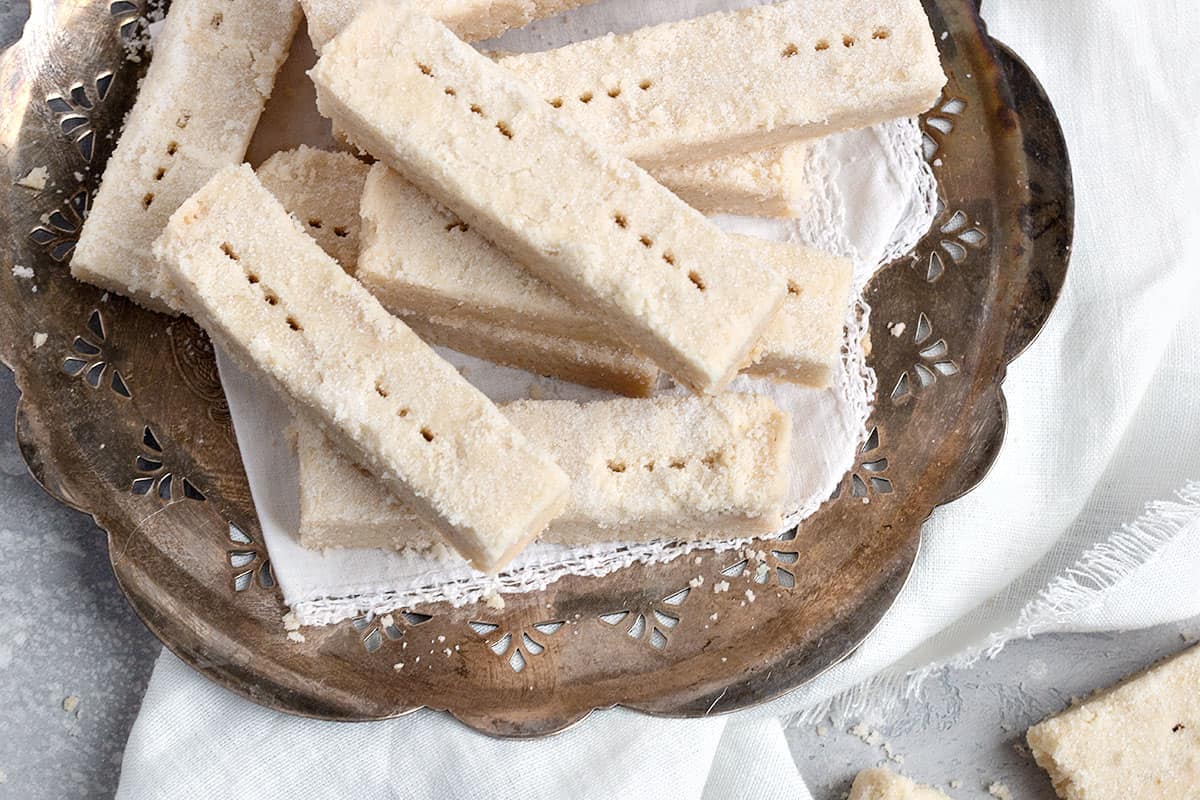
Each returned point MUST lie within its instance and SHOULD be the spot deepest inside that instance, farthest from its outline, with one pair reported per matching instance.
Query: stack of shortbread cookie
(541, 211)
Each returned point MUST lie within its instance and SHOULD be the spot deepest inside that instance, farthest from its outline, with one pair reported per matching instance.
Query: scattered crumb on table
(1000, 791)
(720, 586)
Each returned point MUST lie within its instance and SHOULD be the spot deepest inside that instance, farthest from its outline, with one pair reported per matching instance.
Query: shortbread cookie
(667, 468)
(322, 190)
(275, 301)
(1140, 738)
(587, 221)
(738, 81)
(601, 366)
(422, 261)
(471, 19)
(765, 183)
(882, 784)
(213, 69)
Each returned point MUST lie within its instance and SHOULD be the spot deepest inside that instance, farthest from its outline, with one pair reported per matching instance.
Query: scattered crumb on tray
(822, 731)
(35, 179)
(867, 735)
(70, 703)
(3, 776)
(39, 339)
(22, 272)
(956, 784)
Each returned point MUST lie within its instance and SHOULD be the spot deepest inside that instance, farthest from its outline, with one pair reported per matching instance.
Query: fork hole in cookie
(402, 413)
(315, 224)
(380, 390)
(556, 102)
(340, 232)
(172, 148)
(227, 249)
(620, 219)
(822, 45)
(645, 84)
(614, 92)
(586, 97)
(793, 288)
(502, 126)
(427, 434)
(160, 173)
(147, 199)
(881, 33)
(696, 280)
(790, 51)
(848, 41)
(616, 466)
(293, 324)
(646, 241)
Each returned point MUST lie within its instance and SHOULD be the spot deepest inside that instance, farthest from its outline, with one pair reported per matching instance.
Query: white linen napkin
(1079, 525)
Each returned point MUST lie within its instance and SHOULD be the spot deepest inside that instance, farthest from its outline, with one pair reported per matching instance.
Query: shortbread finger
(274, 300)
(322, 190)
(765, 183)
(1137, 739)
(744, 80)
(803, 344)
(589, 222)
(473, 20)
(213, 69)
(667, 468)
(422, 261)
(882, 784)
(612, 368)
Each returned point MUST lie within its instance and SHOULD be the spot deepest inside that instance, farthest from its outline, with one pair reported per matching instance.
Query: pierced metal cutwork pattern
(87, 359)
(631, 637)
(152, 478)
(58, 232)
(651, 623)
(516, 645)
(249, 562)
(959, 237)
(375, 629)
(76, 109)
(771, 563)
(936, 125)
(933, 362)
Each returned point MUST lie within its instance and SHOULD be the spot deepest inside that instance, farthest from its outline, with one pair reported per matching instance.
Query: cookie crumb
(956, 784)
(290, 623)
(39, 339)
(720, 586)
(897, 329)
(35, 179)
(1000, 791)
(696, 582)
(70, 703)
(399, 665)
(19, 271)
(492, 599)
(296, 636)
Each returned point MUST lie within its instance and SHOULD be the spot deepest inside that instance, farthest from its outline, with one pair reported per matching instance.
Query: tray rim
(43, 474)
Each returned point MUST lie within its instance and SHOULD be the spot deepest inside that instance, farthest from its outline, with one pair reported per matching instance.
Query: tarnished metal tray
(122, 416)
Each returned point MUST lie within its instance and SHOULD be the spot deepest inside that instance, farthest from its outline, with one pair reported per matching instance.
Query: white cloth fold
(1102, 422)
